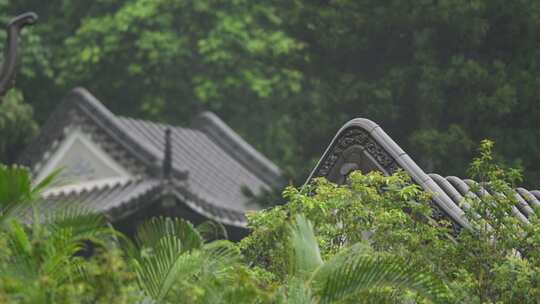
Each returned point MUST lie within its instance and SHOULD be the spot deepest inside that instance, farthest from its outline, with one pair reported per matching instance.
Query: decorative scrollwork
(359, 137)
(7, 73)
(359, 141)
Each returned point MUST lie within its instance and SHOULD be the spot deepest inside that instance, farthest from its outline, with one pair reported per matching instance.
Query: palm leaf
(59, 260)
(171, 250)
(45, 183)
(165, 254)
(296, 291)
(305, 253)
(353, 271)
(84, 224)
(211, 230)
(158, 270)
(22, 260)
(15, 189)
(151, 232)
(15, 184)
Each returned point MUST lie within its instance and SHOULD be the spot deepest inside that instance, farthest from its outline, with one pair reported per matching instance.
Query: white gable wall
(81, 161)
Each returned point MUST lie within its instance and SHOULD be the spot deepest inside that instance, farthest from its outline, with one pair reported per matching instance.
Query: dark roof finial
(167, 158)
(7, 70)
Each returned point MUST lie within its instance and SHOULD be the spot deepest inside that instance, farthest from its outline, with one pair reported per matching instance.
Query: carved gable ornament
(362, 145)
(354, 148)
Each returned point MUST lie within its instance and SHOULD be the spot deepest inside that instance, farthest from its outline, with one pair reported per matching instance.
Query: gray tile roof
(211, 172)
(212, 165)
(362, 145)
(104, 198)
(457, 189)
(109, 199)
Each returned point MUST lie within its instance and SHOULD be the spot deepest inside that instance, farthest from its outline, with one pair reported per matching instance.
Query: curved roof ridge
(208, 191)
(83, 102)
(229, 140)
(95, 109)
(362, 144)
(383, 152)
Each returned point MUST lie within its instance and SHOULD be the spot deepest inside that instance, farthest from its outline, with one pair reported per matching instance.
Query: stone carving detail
(360, 137)
(356, 136)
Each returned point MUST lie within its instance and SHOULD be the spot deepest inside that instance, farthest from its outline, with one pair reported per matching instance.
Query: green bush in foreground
(496, 262)
(372, 240)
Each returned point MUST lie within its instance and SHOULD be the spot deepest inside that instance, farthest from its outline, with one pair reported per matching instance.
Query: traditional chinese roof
(212, 167)
(363, 145)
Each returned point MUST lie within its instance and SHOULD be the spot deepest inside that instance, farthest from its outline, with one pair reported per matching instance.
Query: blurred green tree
(437, 75)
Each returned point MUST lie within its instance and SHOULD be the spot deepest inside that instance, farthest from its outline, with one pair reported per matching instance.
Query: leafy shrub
(373, 239)
(496, 261)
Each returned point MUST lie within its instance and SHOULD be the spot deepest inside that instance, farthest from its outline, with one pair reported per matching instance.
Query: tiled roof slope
(106, 198)
(109, 198)
(118, 199)
(457, 189)
(213, 165)
(211, 171)
(362, 145)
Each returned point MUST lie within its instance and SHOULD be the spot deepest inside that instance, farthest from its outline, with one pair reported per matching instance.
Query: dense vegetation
(372, 240)
(437, 75)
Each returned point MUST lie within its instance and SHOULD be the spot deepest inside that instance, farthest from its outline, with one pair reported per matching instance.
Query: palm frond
(167, 250)
(171, 250)
(15, 189)
(305, 253)
(222, 250)
(166, 263)
(212, 230)
(296, 291)
(352, 272)
(45, 183)
(219, 272)
(84, 224)
(15, 184)
(59, 261)
(22, 258)
(220, 257)
(151, 232)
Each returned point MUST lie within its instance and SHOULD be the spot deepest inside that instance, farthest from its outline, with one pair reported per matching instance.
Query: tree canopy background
(438, 76)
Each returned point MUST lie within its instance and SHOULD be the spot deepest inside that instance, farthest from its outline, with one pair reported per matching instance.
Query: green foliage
(17, 126)
(171, 253)
(16, 190)
(304, 68)
(495, 262)
(40, 259)
(349, 273)
(372, 240)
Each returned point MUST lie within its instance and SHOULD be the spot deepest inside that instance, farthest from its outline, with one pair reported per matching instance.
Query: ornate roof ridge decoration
(11, 50)
(362, 144)
(229, 140)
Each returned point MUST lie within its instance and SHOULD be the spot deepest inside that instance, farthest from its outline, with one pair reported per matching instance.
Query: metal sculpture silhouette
(7, 71)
